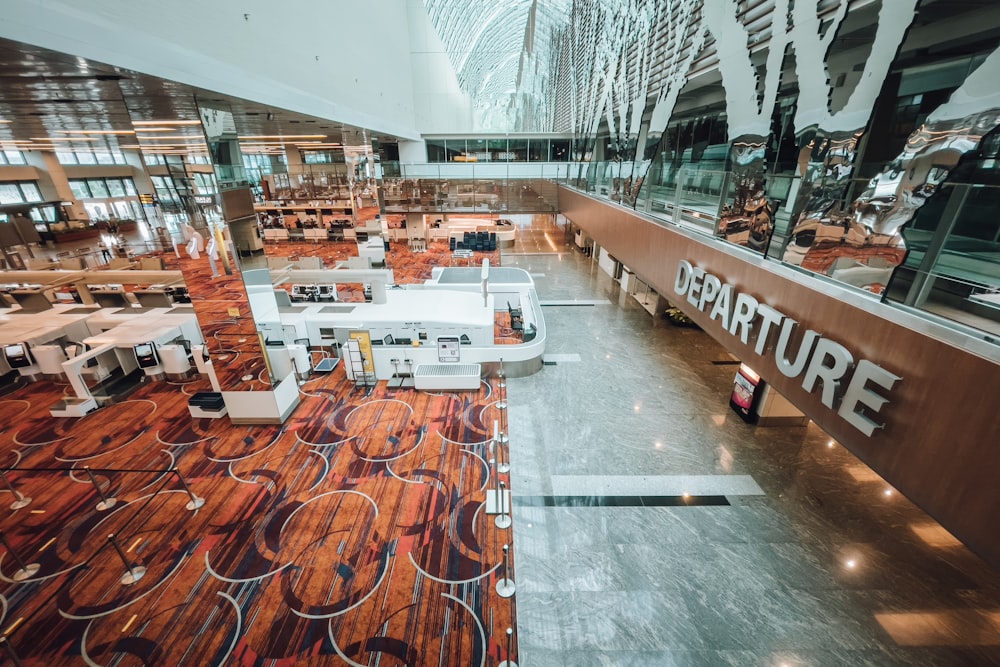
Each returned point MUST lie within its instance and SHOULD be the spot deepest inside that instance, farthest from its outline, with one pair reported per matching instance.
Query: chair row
(479, 241)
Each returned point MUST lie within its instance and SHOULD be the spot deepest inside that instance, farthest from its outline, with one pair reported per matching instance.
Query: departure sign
(818, 360)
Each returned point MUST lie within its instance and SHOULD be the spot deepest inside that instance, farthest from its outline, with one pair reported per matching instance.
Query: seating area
(516, 318)
(477, 241)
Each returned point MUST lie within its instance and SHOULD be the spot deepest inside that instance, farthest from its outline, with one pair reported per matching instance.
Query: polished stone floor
(810, 559)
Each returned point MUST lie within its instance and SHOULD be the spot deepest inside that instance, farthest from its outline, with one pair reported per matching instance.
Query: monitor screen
(111, 299)
(153, 299)
(145, 355)
(31, 301)
(17, 355)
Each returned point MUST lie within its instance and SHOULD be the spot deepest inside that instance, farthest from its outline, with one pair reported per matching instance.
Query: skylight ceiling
(486, 43)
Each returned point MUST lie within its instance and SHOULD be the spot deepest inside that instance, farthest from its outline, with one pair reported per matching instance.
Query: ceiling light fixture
(63, 139)
(171, 137)
(283, 136)
(96, 131)
(140, 123)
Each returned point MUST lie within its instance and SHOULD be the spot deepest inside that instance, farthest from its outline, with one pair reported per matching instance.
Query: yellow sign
(234, 312)
(365, 345)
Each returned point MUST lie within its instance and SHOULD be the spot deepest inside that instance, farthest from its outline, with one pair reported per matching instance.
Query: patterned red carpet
(353, 534)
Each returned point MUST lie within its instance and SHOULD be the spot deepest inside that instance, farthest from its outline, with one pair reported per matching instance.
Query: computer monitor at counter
(17, 355)
(31, 301)
(111, 298)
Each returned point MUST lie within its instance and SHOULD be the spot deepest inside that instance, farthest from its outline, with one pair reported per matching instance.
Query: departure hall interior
(536, 333)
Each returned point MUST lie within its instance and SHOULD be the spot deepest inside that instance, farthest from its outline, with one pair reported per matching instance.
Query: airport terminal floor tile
(816, 562)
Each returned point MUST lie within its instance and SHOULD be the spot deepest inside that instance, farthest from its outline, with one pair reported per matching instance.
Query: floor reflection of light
(851, 563)
(933, 535)
(887, 493)
(658, 445)
(862, 473)
(725, 459)
(636, 408)
(947, 627)
(829, 444)
(719, 420)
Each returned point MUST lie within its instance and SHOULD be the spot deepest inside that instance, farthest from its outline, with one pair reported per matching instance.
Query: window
(116, 187)
(559, 150)
(12, 157)
(19, 192)
(204, 184)
(102, 188)
(10, 193)
(31, 191)
(313, 157)
(80, 189)
(87, 157)
(454, 148)
(436, 151)
(538, 150)
(98, 188)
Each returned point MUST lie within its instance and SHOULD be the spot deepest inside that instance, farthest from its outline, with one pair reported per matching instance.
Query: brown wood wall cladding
(940, 444)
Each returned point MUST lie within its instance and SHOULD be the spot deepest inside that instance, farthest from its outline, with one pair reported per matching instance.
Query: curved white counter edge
(519, 360)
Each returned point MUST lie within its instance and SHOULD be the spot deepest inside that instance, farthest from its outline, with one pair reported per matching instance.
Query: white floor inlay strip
(655, 485)
(537, 275)
(574, 302)
(561, 358)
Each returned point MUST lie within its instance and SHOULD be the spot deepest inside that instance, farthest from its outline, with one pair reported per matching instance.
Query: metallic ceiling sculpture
(627, 77)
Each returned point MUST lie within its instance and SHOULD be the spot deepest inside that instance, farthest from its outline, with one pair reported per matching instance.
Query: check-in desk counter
(159, 329)
(47, 332)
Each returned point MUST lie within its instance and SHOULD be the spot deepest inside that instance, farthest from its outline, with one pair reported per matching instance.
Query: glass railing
(474, 187)
(831, 242)
(958, 281)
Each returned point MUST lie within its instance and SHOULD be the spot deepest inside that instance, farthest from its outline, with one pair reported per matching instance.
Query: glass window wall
(19, 192)
(12, 157)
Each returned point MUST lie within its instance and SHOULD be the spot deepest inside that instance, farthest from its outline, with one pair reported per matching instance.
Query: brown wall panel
(941, 441)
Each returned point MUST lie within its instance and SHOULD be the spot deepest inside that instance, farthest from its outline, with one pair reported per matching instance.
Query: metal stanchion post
(493, 493)
(509, 662)
(106, 503)
(504, 463)
(505, 587)
(503, 519)
(25, 570)
(9, 650)
(195, 501)
(22, 500)
(501, 376)
(132, 573)
(494, 443)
